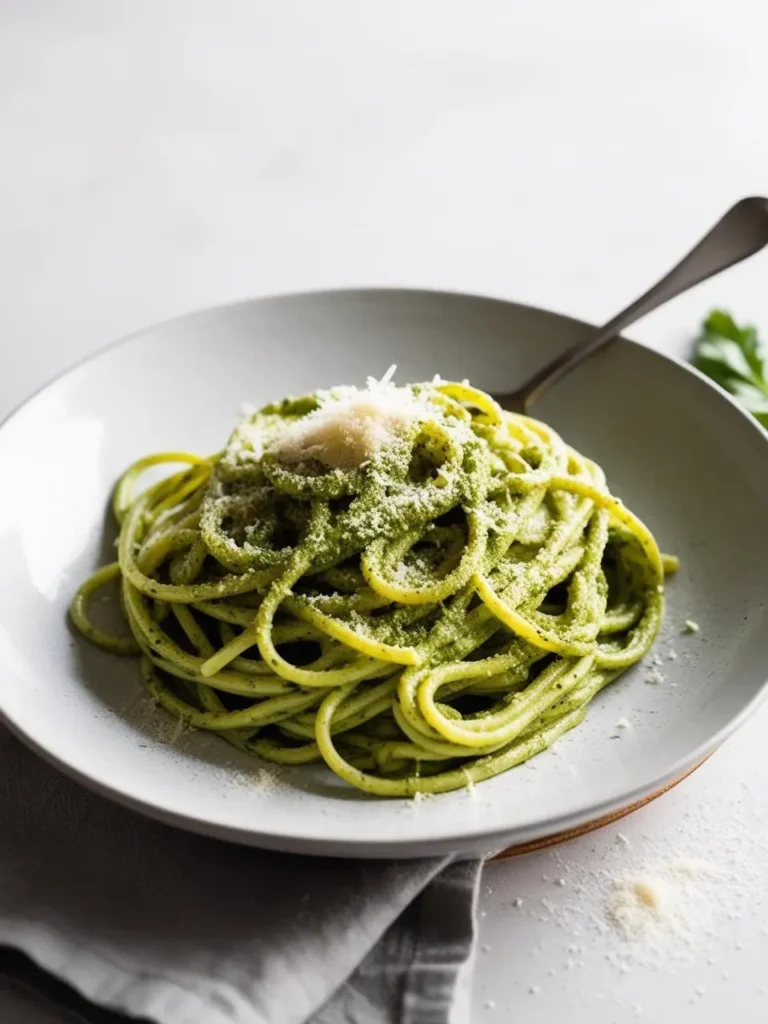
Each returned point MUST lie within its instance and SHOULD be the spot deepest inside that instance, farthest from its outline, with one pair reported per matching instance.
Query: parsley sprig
(735, 359)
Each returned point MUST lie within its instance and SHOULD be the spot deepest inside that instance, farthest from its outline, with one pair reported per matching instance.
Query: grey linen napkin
(179, 929)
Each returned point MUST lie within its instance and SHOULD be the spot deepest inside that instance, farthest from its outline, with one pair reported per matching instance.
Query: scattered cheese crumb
(635, 903)
(690, 626)
(176, 732)
(262, 779)
(534, 990)
(623, 723)
(655, 677)
(490, 1004)
(517, 902)
(692, 868)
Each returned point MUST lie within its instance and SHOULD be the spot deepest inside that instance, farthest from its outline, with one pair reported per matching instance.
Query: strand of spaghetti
(457, 778)
(352, 637)
(619, 512)
(122, 497)
(267, 712)
(523, 627)
(79, 612)
(229, 586)
(513, 717)
(433, 592)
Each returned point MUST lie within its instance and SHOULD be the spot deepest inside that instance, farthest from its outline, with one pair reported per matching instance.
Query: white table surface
(158, 156)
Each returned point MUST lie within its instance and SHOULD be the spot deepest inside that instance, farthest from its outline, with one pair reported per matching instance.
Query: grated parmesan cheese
(351, 425)
(635, 904)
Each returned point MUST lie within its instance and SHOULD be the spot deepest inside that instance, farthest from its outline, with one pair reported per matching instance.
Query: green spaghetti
(407, 583)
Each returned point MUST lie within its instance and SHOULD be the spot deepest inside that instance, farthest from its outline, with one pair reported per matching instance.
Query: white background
(159, 156)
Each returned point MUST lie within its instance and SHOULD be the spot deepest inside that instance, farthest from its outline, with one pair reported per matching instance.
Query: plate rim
(476, 837)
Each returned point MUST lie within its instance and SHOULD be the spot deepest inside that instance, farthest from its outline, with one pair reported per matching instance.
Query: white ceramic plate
(681, 455)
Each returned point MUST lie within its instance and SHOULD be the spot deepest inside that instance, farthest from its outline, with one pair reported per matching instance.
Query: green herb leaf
(734, 358)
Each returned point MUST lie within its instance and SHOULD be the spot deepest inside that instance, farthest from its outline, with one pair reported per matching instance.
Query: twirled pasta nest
(421, 621)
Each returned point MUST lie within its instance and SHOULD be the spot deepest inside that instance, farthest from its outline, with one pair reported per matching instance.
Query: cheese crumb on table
(635, 903)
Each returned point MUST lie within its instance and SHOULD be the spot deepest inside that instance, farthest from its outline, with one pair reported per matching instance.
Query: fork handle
(739, 233)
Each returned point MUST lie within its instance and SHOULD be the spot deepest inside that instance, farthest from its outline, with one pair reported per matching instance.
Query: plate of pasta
(284, 572)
